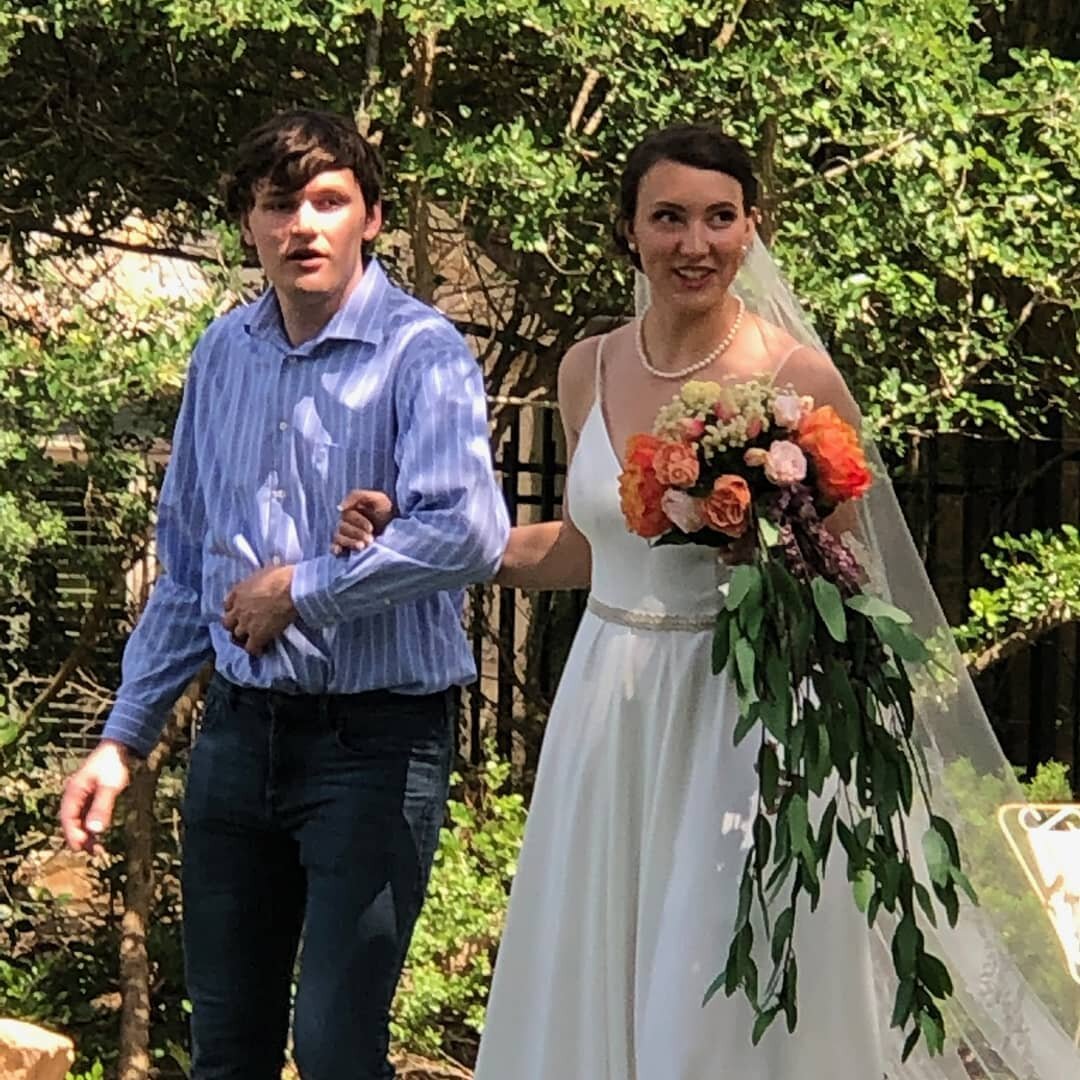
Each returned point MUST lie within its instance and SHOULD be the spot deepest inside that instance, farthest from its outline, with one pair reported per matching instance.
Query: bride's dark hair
(696, 145)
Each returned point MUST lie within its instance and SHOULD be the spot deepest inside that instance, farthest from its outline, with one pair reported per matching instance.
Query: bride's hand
(364, 515)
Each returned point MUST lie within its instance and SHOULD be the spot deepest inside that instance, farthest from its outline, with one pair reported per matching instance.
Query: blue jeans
(310, 818)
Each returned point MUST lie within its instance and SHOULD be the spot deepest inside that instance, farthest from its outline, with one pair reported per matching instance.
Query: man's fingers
(76, 795)
(352, 500)
(352, 530)
(356, 519)
(99, 816)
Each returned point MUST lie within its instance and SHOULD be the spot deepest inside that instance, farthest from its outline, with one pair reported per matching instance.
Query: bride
(626, 891)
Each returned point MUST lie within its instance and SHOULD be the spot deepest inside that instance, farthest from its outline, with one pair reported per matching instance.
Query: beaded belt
(649, 620)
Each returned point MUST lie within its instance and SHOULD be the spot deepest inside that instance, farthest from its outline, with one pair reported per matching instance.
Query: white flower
(684, 511)
(785, 463)
(787, 410)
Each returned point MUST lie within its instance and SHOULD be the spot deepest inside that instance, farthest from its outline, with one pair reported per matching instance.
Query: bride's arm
(555, 554)
(813, 373)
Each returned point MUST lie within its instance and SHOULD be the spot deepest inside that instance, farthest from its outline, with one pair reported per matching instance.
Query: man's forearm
(167, 648)
(415, 557)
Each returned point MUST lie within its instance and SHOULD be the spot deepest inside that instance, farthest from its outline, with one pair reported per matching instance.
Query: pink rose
(788, 410)
(753, 429)
(684, 511)
(676, 464)
(692, 429)
(785, 463)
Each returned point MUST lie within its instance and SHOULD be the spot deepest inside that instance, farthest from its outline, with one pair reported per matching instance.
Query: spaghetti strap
(599, 384)
(785, 358)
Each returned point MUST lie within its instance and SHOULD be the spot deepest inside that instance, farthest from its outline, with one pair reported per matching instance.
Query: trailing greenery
(841, 763)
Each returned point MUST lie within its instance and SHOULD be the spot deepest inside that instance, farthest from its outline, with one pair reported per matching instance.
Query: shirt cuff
(312, 597)
(136, 726)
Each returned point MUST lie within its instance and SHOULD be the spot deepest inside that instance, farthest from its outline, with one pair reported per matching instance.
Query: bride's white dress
(626, 891)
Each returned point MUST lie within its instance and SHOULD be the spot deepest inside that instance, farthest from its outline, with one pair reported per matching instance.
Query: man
(319, 778)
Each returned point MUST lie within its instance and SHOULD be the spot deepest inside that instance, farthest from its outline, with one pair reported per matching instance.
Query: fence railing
(957, 493)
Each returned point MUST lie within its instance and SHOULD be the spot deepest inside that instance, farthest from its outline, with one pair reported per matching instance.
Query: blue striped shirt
(269, 439)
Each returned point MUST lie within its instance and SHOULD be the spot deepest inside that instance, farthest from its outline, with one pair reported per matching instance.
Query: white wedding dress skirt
(626, 892)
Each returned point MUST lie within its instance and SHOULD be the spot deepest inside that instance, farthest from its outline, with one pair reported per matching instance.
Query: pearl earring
(632, 246)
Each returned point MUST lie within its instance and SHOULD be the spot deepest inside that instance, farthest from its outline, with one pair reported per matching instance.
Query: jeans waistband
(235, 693)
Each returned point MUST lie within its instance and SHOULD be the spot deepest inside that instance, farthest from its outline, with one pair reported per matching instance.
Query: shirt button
(283, 426)
(276, 560)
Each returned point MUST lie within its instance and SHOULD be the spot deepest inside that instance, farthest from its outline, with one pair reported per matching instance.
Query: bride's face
(690, 230)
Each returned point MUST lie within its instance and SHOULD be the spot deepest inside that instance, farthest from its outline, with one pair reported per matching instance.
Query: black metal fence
(957, 493)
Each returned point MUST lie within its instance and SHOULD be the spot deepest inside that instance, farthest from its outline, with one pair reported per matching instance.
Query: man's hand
(258, 609)
(364, 515)
(86, 808)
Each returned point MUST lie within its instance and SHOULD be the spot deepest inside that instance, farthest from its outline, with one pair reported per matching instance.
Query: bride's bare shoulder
(577, 378)
(808, 369)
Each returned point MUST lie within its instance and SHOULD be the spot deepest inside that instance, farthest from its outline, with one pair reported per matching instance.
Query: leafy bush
(439, 1009)
(1004, 894)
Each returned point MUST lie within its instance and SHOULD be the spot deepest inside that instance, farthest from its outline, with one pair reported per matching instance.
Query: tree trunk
(138, 902)
(424, 50)
(139, 830)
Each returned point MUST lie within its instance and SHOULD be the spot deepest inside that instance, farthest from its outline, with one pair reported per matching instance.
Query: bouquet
(821, 669)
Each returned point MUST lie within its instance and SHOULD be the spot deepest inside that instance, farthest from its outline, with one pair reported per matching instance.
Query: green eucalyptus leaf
(874, 608)
(863, 888)
(743, 578)
(830, 607)
(904, 643)
(936, 853)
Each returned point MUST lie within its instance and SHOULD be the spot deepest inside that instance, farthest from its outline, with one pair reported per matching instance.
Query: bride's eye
(664, 215)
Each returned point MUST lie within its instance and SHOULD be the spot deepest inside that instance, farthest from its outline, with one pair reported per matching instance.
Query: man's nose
(304, 219)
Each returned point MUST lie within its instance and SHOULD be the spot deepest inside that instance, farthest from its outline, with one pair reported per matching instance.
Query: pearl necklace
(702, 363)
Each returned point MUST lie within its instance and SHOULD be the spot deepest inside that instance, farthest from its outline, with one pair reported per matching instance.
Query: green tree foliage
(920, 160)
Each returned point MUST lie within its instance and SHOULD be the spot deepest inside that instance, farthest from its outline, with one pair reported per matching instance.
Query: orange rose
(639, 490)
(676, 464)
(837, 454)
(727, 507)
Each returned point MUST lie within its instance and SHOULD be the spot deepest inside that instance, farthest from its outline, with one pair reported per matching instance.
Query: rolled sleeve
(452, 526)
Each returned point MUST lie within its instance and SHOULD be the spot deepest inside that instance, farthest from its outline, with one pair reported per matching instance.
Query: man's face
(310, 241)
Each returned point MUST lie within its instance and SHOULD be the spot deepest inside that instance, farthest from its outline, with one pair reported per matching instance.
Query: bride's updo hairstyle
(695, 145)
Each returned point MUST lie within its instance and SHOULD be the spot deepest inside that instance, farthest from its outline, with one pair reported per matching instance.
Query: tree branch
(727, 31)
(425, 49)
(90, 240)
(588, 84)
(1057, 614)
(837, 171)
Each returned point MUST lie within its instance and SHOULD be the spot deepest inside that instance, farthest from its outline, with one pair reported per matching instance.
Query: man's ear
(374, 223)
(245, 230)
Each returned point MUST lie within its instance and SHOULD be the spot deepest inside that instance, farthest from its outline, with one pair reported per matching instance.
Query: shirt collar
(360, 318)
